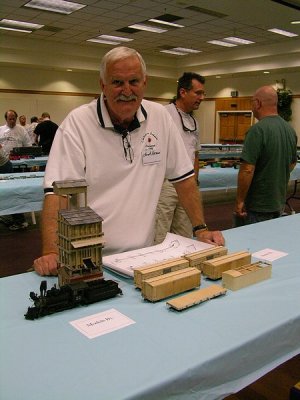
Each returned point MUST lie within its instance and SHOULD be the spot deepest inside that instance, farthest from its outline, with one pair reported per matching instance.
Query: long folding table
(205, 352)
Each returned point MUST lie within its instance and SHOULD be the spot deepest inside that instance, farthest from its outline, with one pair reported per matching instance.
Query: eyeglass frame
(128, 150)
(182, 123)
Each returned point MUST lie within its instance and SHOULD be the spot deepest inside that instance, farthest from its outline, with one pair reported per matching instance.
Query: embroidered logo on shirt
(151, 152)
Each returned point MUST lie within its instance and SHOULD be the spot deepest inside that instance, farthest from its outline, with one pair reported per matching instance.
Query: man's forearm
(52, 203)
(190, 198)
(245, 177)
(292, 166)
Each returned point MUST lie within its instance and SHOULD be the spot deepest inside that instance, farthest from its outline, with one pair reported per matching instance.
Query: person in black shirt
(45, 132)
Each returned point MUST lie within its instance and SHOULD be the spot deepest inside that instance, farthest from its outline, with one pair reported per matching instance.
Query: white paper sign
(269, 254)
(101, 323)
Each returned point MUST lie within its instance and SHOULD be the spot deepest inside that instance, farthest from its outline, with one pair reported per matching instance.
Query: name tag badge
(151, 154)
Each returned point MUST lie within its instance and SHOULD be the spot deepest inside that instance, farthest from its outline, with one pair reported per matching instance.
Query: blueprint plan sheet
(173, 246)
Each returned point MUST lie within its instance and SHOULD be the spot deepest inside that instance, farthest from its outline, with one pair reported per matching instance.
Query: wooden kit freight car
(167, 285)
(240, 277)
(213, 268)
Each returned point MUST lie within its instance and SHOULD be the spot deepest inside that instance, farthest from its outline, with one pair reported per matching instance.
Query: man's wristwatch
(202, 227)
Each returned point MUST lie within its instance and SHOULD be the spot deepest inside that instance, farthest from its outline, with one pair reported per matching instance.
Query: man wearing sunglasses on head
(123, 147)
(170, 214)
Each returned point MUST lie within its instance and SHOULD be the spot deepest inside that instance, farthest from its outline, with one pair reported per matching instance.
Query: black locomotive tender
(70, 296)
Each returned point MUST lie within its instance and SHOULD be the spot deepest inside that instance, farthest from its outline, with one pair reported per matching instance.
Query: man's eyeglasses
(200, 93)
(128, 150)
(185, 128)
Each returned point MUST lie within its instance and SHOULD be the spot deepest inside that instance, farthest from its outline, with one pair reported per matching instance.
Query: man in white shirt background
(170, 215)
(12, 135)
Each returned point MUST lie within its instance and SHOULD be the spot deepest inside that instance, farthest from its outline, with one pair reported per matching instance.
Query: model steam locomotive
(69, 296)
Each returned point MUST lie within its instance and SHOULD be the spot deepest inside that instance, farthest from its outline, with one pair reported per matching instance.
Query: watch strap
(201, 227)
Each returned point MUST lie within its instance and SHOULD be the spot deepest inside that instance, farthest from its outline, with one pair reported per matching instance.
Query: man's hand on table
(46, 265)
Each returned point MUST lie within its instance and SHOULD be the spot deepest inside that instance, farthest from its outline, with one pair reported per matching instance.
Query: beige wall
(67, 90)
(65, 87)
(246, 85)
(33, 105)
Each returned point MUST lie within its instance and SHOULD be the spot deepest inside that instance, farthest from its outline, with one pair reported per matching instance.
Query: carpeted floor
(19, 248)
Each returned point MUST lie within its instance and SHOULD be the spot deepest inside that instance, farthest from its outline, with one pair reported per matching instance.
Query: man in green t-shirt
(269, 155)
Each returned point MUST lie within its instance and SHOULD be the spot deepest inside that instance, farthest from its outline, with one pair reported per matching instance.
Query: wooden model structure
(80, 236)
(213, 269)
(80, 243)
(160, 287)
(196, 297)
(246, 275)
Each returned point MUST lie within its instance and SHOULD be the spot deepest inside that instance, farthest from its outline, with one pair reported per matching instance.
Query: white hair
(116, 54)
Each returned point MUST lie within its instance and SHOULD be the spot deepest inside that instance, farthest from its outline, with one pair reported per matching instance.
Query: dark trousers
(6, 168)
(255, 216)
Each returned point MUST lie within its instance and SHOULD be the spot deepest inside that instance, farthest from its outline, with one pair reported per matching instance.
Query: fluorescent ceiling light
(177, 53)
(159, 21)
(103, 41)
(114, 38)
(295, 22)
(15, 29)
(282, 32)
(148, 28)
(109, 39)
(237, 40)
(266, 72)
(221, 43)
(184, 50)
(180, 51)
(58, 6)
(21, 26)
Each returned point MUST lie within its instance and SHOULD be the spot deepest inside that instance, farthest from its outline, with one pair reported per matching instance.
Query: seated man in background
(45, 132)
(12, 135)
(269, 155)
(170, 215)
(124, 147)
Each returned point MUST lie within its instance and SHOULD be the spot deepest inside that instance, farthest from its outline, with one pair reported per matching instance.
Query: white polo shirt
(190, 137)
(124, 194)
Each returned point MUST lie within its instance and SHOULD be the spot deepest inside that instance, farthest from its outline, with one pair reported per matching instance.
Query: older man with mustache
(124, 147)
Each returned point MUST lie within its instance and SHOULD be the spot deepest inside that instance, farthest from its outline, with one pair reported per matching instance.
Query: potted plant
(285, 99)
